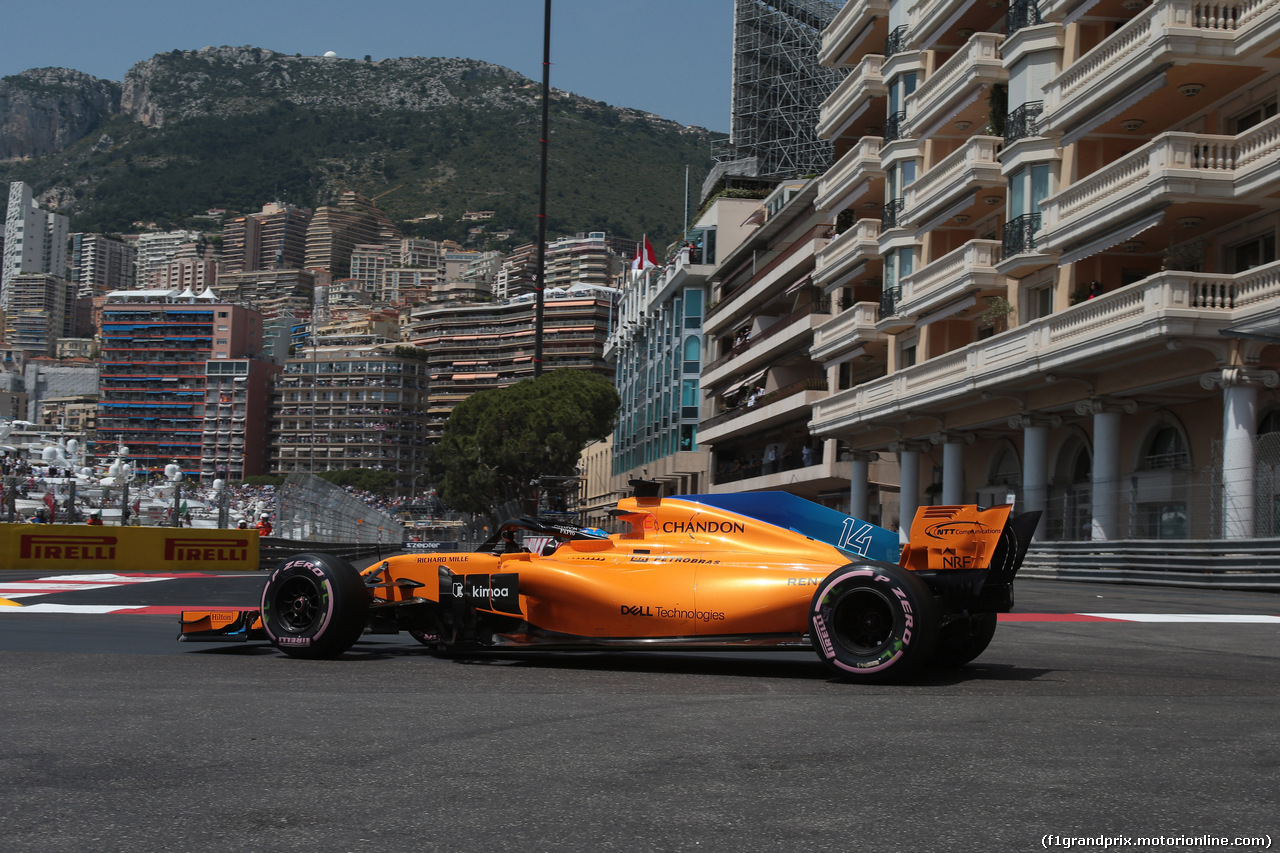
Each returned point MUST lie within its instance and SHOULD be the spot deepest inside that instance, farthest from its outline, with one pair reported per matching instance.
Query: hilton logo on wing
(37, 547)
(206, 550)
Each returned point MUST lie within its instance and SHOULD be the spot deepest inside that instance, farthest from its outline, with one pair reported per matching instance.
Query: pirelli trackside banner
(49, 547)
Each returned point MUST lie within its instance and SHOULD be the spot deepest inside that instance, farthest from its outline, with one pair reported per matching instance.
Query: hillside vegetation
(233, 128)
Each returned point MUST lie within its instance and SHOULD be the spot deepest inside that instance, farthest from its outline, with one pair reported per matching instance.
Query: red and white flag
(50, 502)
(645, 257)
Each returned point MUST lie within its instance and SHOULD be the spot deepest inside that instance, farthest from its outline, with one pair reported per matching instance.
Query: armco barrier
(79, 547)
(1244, 564)
(275, 549)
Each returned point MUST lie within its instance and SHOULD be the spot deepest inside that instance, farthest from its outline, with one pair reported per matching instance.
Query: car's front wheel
(314, 606)
(873, 621)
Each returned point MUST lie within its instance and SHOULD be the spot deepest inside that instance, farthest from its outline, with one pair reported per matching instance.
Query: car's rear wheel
(314, 606)
(963, 639)
(873, 621)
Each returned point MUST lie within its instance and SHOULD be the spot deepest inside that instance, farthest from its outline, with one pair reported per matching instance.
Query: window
(692, 355)
(1167, 449)
(909, 354)
(1253, 252)
(1040, 301)
(1006, 471)
(689, 399)
(692, 308)
(1254, 115)
(1028, 187)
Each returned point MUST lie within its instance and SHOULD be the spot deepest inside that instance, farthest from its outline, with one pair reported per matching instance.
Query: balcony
(892, 213)
(957, 84)
(853, 176)
(1019, 254)
(954, 181)
(850, 330)
(847, 254)
(1021, 123)
(861, 25)
(933, 22)
(1131, 64)
(890, 319)
(1173, 168)
(1022, 14)
(790, 403)
(895, 126)
(953, 282)
(1136, 320)
(895, 41)
(785, 268)
(852, 98)
(762, 348)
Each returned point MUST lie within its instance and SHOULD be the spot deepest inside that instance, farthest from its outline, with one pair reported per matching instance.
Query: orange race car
(751, 571)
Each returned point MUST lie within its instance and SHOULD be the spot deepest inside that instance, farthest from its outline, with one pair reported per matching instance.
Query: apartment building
(41, 309)
(155, 250)
(100, 264)
(271, 292)
(181, 382)
(352, 402)
(335, 230)
(273, 239)
(591, 258)
(656, 347)
(472, 347)
(1056, 232)
(35, 240)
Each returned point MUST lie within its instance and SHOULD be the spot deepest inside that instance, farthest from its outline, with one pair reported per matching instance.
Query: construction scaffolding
(779, 87)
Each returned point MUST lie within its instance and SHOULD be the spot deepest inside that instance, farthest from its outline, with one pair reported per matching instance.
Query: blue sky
(670, 57)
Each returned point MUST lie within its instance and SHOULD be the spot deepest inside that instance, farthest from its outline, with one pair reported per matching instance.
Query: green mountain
(233, 128)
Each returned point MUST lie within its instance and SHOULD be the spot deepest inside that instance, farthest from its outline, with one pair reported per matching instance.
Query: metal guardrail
(1244, 564)
(271, 550)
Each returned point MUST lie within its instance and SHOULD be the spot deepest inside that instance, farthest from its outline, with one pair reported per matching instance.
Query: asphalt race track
(119, 738)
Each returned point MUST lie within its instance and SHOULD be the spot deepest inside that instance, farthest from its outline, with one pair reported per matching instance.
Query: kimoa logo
(63, 547)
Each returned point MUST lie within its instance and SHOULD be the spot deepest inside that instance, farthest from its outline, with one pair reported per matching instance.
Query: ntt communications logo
(947, 529)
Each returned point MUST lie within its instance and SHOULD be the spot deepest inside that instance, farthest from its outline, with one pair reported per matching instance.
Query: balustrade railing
(895, 127)
(1019, 235)
(1021, 123)
(896, 41)
(1022, 13)
(892, 212)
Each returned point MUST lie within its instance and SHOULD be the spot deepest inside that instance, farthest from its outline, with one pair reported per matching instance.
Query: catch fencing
(310, 509)
(1169, 500)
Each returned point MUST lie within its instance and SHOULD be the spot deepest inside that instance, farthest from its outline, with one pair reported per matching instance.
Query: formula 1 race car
(751, 571)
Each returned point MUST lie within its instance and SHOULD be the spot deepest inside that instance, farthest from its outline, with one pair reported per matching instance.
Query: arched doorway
(1070, 504)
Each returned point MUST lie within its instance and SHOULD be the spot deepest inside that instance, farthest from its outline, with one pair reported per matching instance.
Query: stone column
(1106, 464)
(1239, 434)
(860, 482)
(1035, 462)
(908, 489)
(953, 464)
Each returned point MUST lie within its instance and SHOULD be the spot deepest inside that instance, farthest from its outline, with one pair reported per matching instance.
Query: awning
(750, 380)
(1265, 328)
(1115, 108)
(801, 282)
(950, 310)
(1111, 238)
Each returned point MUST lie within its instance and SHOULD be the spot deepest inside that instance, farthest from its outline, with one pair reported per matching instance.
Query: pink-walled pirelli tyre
(873, 621)
(314, 606)
(963, 639)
